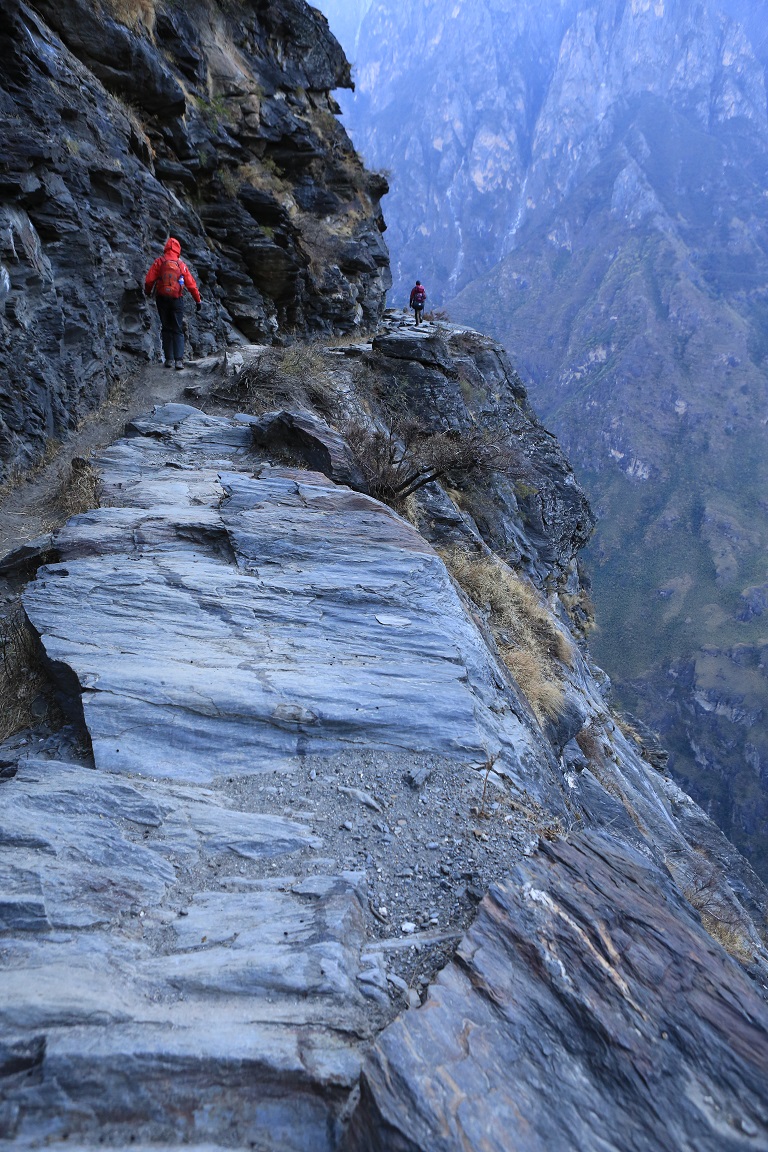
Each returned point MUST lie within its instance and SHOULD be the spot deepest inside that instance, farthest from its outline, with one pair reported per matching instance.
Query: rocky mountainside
(125, 121)
(318, 833)
(245, 853)
(587, 183)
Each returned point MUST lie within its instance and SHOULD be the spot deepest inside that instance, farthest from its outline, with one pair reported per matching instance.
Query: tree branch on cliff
(402, 456)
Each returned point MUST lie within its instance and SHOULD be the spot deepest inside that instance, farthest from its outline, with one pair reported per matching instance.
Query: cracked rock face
(240, 888)
(214, 124)
(583, 954)
(233, 909)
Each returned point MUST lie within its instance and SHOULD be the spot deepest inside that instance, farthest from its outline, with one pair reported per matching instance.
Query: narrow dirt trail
(30, 508)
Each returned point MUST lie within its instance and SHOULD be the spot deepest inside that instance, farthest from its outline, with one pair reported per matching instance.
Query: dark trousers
(171, 313)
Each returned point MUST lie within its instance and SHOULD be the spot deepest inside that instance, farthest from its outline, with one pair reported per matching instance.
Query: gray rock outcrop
(124, 124)
(241, 883)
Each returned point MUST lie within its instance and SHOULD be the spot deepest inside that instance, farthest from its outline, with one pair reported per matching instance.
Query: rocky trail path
(26, 509)
(247, 888)
(239, 887)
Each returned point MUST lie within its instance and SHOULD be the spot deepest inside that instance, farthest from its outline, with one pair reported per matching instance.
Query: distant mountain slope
(589, 184)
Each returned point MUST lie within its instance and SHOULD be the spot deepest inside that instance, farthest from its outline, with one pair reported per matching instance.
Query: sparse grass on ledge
(529, 641)
(132, 13)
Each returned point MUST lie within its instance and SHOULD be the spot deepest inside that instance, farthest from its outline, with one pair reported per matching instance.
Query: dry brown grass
(296, 376)
(530, 643)
(76, 491)
(25, 693)
(720, 915)
(133, 13)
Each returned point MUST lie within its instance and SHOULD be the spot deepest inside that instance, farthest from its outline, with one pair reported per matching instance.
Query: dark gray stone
(595, 1013)
(318, 445)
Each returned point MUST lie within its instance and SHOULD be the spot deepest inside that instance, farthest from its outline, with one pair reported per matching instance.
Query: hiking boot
(179, 365)
(168, 364)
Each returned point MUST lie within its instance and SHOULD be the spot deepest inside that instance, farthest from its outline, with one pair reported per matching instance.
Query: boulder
(318, 445)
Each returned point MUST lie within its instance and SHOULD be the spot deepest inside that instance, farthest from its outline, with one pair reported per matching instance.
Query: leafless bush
(581, 612)
(401, 455)
(530, 642)
(591, 746)
(720, 915)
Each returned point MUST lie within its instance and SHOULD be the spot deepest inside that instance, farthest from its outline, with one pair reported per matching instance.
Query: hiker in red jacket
(418, 296)
(168, 277)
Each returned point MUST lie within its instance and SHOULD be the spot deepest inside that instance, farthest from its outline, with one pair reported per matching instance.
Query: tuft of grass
(530, 643)
(25, 691)
(76, 491)
(534, 678)
(133, 13)
(296, 376)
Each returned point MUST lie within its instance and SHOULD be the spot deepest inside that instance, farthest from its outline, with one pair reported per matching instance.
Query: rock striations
(241, 876)
(126, 121)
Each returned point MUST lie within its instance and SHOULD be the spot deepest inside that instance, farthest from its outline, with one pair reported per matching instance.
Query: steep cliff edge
(586, 183)
(126, 122)
(241, 884)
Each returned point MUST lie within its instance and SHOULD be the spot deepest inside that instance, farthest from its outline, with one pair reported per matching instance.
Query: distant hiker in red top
(168, 277)
(418, 296)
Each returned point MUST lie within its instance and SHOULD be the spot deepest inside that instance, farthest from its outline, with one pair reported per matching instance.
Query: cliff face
(331, 838)
(317, 830)
(587, 184)
(126, 122)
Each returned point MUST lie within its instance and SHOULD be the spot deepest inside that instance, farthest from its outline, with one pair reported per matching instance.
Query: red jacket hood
(172, 248)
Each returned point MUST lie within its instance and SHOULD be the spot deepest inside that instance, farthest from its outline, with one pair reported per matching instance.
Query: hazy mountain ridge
(593, 184)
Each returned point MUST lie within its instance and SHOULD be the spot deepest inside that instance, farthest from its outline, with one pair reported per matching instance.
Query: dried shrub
(76, 491)
(720, 916)
(401, 455)
(591, 746)
(24, 687)
(531, 644)
(133, 13)
(581, 612)
(297, 376)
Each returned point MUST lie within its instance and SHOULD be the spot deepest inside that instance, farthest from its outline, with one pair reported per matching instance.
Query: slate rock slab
(221, 621)
(318, 445)
(595, 1013)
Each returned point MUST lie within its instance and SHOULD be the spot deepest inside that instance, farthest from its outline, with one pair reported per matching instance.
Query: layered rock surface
(124, 123)
(293, 755)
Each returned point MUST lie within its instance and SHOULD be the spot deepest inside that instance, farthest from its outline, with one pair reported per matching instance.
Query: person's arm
(151, 277)
(191, 283)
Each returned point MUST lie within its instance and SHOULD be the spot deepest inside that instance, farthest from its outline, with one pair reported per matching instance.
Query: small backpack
(419, 296)
(170, 282)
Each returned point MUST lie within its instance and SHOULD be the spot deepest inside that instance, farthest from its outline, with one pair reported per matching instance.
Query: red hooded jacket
(169, 275)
